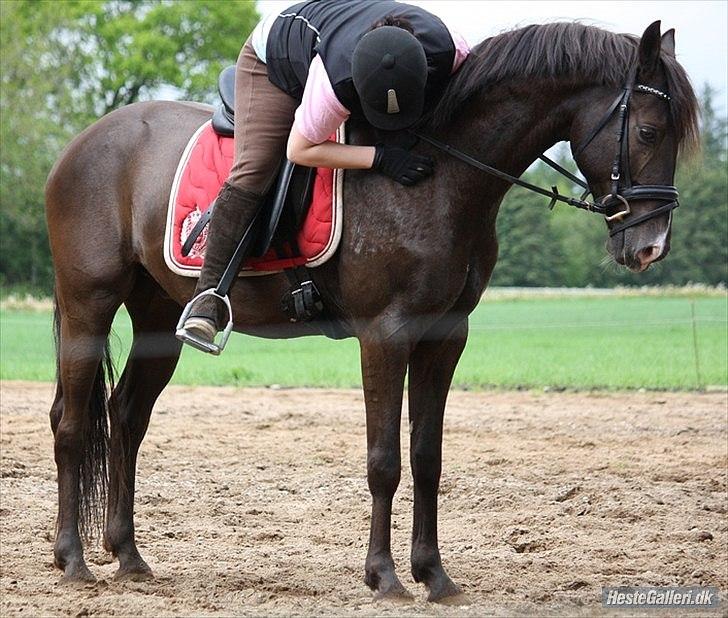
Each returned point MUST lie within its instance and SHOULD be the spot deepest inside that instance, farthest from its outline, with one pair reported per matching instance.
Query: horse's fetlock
(118, 538)
(425, 562)
(66, 549)
(371, 579)
(375, 567)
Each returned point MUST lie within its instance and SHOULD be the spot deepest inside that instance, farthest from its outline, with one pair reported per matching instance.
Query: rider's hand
(401, 165)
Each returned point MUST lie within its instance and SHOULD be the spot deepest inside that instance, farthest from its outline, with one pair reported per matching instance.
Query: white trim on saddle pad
(322, 257)
(337, 212)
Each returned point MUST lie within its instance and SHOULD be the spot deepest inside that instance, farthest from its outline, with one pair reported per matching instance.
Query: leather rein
(615, 205)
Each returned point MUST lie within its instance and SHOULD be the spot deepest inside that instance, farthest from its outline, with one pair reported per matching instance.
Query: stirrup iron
(205, 346)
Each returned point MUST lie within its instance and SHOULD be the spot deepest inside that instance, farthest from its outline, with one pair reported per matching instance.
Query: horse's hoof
(77, 574)
(396, 592)
(133, 576)
(136, 573)
(447, 593)
(457, 599)
(386, 586)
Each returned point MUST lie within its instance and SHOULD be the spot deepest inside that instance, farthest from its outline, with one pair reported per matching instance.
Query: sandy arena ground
(255, 502)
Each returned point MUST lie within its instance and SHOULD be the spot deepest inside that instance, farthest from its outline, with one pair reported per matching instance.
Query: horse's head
(626, 144)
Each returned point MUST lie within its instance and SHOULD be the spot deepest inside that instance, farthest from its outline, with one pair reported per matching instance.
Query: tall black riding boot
(234, 210)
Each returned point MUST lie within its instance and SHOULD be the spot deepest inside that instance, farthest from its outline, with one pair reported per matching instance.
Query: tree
(528, 252)
(700, 231)
(714, 131)
(124, 50)
(64, 64)
(33, 106)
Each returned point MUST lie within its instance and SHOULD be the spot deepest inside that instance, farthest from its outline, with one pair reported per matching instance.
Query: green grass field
(584, 343)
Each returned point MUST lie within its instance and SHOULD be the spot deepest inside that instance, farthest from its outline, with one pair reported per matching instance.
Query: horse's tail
(93, 473)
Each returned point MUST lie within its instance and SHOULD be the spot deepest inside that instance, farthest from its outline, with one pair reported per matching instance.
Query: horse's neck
(509, 127)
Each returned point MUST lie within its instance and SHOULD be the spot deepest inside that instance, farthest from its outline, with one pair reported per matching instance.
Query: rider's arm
(328, 154)
(317, 118)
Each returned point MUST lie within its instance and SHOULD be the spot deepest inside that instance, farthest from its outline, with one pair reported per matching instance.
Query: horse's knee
(383, 471)
(129, 422)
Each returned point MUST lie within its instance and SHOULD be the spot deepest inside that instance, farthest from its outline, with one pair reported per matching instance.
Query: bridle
(615, 206)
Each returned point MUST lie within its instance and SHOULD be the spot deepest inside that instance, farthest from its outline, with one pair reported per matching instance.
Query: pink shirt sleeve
(320, 112)
(462, 49)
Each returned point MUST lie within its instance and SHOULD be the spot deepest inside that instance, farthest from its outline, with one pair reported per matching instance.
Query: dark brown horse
(413, 263)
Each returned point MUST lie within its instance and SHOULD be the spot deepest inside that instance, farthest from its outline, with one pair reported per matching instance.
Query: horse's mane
(565, 49)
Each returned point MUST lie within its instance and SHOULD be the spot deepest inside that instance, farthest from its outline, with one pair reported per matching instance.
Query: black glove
(401, 165)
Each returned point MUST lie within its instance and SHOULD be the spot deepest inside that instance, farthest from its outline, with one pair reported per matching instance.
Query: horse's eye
(648, 135)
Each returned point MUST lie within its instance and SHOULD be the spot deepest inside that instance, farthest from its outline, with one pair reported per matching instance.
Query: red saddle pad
(203, 168)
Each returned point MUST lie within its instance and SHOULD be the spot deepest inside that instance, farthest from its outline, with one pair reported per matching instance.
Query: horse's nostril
(649, 254)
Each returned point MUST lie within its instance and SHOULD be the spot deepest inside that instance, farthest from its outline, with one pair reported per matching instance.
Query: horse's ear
(649, 53)
(668, 42)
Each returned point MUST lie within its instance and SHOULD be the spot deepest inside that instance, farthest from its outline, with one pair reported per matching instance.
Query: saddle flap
(300, 195)
(286, 206)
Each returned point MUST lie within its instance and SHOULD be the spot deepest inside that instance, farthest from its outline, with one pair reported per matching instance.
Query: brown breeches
(263, 120)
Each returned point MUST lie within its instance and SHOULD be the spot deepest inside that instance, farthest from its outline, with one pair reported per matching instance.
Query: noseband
(615, 206)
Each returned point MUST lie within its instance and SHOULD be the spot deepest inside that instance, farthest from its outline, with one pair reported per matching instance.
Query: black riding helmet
(389, 69)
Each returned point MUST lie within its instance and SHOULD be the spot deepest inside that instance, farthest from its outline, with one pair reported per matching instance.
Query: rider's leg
(263, 119)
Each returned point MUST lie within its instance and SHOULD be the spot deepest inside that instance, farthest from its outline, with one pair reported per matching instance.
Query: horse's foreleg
(383, 369)
(432, 365)
(152, 360)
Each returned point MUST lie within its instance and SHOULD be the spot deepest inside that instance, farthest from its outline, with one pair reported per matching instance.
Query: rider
(298, 77)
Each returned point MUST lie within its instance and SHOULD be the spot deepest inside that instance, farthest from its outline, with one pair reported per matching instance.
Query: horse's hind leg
(431, 368)
(384, 365)
(151, 363)
(78, 418)
(56, 408)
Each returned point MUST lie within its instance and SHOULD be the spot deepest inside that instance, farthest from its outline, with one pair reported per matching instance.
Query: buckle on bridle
(615, 176)
(619, 215)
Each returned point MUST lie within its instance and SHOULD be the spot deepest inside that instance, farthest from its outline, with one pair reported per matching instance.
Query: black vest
(332, 29)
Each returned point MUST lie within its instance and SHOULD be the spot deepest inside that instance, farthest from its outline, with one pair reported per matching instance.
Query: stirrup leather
(205, 346)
